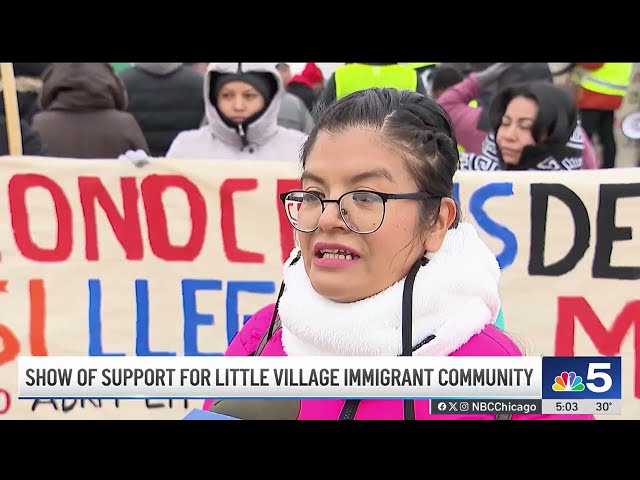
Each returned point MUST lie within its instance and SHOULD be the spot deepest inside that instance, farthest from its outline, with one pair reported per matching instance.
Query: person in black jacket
(165, 99)
(28, 90)
(32, 143)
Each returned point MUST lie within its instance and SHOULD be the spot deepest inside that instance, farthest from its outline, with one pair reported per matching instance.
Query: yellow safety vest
(610, 79)
(357, 76)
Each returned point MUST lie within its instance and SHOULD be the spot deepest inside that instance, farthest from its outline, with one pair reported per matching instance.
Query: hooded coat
(84, 113)
(261, 139)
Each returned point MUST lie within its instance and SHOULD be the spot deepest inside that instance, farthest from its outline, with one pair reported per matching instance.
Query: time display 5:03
(567, 406)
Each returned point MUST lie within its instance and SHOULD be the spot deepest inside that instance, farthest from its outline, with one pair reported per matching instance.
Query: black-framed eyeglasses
(361, 210)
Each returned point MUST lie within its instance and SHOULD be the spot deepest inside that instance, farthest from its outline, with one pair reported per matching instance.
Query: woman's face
(238, 101)
(514, 132)
(357, 160)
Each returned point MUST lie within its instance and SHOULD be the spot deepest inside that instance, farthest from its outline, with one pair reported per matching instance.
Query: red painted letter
(11, 345)
(18, 186)
(36, 333)
(286, 230)
(227, 220)
(607, 342)
(7, 401)
(152, 189)
(126, 226)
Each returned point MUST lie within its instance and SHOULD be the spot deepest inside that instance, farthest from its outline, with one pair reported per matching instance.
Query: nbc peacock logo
(568, 382)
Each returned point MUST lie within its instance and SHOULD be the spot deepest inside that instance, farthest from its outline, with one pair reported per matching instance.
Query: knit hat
(312, 73)
(262, 82)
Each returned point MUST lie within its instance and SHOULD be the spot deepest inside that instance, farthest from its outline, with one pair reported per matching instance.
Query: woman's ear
(445, 218)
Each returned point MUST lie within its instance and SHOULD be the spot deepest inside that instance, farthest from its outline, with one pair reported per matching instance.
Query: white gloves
(138, 157)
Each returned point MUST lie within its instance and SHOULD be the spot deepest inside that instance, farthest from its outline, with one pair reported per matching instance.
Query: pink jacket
(489, 342)
(455, 101)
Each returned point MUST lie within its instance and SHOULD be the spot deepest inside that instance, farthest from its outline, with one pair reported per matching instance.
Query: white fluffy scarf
(454, 297)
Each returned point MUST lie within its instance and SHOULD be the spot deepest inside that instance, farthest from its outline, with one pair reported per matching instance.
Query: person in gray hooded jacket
(165, 99)
(242, 103)
(293, 114)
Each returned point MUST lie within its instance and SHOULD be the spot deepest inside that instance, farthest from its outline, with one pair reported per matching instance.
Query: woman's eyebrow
(310, 177)
(376, 173)
(370, 174)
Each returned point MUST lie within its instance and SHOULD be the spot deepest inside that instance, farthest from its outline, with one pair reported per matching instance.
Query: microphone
(197, 414)
(257, 409)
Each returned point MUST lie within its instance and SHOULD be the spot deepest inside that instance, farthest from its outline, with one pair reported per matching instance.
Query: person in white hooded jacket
(242, 102)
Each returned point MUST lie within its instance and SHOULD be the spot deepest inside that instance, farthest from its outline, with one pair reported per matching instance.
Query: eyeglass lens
(362, 212)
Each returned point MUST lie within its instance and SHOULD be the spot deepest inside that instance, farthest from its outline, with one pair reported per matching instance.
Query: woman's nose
(511, 132)
(238, 104)
(330, 217)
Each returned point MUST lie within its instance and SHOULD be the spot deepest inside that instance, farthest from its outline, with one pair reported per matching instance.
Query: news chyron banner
(99, 257)
(453, 384)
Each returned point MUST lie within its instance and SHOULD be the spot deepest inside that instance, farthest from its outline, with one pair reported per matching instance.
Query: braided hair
(413, 124)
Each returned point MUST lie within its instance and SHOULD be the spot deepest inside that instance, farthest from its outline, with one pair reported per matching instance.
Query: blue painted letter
(456, 193)
(191, 316)
(95, 327)
(142, 322)
(476, 206)
(233, 288)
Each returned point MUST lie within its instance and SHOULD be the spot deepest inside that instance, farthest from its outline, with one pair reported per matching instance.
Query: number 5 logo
(594, 374)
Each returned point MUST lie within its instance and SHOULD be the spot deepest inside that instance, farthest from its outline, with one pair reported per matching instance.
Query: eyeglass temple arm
(411, 196)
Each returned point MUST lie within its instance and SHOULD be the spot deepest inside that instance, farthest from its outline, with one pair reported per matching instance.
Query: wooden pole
(11, 110)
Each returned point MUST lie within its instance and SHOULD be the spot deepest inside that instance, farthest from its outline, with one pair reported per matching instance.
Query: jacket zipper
(243, 138)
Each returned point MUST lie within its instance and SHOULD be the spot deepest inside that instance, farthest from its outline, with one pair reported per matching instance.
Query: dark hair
(517, 73)
(557, 112)
(411, 122)
(444, 77)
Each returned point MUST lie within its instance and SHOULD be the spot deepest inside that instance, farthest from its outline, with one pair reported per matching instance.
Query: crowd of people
(505, 115)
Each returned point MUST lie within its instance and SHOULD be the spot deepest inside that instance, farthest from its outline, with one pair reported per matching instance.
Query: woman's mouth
(509, 153)
(334, 257)
(336, 254)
